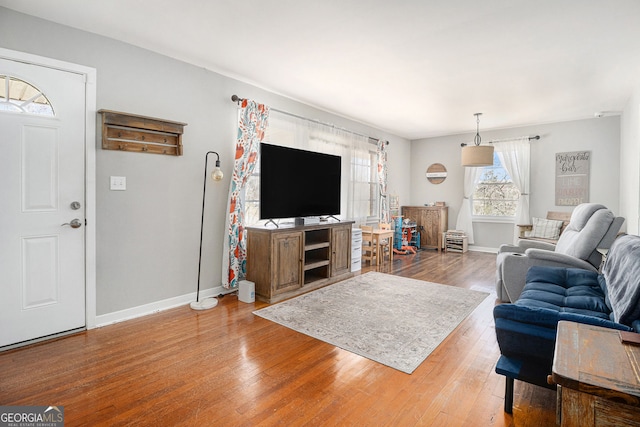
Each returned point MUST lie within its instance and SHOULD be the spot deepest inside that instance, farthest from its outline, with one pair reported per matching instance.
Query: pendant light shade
(477, 155)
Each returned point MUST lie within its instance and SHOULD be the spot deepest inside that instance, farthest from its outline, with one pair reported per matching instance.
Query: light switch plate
(118, 183)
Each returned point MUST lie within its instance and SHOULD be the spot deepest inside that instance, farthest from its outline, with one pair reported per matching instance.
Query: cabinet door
(340, 250)
(431, 227)
(287, 262)
(444, 226)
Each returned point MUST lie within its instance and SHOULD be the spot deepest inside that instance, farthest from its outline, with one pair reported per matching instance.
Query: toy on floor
(405, 250)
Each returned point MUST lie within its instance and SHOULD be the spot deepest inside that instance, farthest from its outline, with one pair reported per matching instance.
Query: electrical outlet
(118, 183)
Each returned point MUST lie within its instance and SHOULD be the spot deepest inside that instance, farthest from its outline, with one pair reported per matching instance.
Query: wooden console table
(598, 377)
(290, 260)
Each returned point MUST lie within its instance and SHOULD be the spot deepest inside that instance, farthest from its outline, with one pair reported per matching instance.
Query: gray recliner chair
(592, 227)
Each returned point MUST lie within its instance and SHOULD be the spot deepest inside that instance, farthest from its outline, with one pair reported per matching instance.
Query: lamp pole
(216, 176)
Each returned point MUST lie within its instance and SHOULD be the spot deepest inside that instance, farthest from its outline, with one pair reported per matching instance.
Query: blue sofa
(526, 329)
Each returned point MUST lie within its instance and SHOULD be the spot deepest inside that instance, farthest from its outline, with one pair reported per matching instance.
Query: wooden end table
(598, 377)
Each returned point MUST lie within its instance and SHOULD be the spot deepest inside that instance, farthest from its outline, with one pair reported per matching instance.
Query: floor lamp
(216, 175)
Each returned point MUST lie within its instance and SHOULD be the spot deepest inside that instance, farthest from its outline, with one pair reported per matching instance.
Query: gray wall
(630, 163)
(147, 236)
(600, 136)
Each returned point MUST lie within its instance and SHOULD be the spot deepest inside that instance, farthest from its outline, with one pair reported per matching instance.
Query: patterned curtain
(382, 180)
(252, 122)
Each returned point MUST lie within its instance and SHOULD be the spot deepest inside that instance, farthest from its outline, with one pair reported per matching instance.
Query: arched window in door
(21, 97)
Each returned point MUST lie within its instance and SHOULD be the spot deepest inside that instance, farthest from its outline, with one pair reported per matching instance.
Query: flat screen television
(298, 183)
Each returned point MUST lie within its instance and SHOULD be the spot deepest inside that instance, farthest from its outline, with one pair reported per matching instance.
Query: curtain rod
(536, 137)
(238, 100)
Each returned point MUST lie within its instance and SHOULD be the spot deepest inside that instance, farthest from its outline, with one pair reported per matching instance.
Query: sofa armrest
(524, 333)
(525, 244)
(505, 248)
(559, 259)
(535, 316)
(536, 244)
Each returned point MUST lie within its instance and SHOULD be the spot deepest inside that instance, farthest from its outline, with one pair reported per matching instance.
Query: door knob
(75, 223)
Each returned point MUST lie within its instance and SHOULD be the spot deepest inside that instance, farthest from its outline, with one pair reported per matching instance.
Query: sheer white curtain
(464, 222)
(364, 192)
(515, 155)
(291, 131)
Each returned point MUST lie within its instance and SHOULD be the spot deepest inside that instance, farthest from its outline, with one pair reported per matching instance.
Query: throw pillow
(546, 228)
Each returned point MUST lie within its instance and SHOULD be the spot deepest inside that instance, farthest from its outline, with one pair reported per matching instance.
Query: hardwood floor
(227, 367)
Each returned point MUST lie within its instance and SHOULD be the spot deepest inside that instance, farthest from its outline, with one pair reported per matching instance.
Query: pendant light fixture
(477, 155)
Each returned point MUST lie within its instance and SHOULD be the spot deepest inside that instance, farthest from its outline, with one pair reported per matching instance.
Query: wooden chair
(368, 248)
(385, 244)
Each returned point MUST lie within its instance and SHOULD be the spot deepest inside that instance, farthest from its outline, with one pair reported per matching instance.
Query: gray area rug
(389, 319)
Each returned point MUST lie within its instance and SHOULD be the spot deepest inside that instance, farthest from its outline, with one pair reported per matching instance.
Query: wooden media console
(290, 260)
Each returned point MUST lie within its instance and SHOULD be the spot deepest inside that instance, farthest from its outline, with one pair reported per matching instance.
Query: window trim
(494, 219)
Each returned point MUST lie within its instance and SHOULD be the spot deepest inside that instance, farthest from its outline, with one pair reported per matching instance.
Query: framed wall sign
(572, 178)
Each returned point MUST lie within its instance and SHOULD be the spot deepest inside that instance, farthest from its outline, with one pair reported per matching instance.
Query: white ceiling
(416, 68)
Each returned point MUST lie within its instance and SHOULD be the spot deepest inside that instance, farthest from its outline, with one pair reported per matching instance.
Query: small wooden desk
(379, 235)
(598, 377)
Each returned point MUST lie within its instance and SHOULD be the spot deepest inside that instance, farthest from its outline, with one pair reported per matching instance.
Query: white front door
(42, 187)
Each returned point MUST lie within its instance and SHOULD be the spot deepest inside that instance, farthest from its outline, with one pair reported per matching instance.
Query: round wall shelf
(436, 173)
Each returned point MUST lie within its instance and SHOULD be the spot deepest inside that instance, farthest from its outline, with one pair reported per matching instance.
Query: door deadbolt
(75, 205)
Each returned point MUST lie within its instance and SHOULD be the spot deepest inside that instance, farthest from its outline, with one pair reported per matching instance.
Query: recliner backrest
(592, 226)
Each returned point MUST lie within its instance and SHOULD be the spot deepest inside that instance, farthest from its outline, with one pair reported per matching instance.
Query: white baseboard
(483, 249)
(155, 307)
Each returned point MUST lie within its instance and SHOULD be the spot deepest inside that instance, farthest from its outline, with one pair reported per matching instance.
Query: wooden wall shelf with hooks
(140, 134)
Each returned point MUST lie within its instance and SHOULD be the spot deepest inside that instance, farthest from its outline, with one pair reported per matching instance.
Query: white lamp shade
(477, 155)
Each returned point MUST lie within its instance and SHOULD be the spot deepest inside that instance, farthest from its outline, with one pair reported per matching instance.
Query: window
(495, 194)
(364, 179)
(360, 189)
(277, 133)
(21, 97)
(252, 197)
(366, 203)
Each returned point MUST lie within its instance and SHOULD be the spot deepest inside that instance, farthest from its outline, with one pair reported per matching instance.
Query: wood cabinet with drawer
(431, 222)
